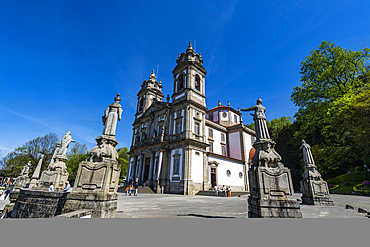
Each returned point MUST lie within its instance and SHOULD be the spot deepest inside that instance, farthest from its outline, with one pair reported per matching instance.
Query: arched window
(152, 128)
(197, 82)
(180, 82)
(141, 104)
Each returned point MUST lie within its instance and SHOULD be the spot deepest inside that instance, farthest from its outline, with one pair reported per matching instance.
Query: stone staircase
(141, 190)
(212, 193)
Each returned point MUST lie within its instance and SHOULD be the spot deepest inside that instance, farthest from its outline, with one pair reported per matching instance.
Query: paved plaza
(180, 206)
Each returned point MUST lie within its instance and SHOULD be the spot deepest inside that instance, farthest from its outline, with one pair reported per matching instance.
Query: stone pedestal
(97, 180)
(271, 187)
(56, 173)
(38, 204)
(103, 205)
(316, 193)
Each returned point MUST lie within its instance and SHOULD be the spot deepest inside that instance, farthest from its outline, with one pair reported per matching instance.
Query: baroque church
(181, 147)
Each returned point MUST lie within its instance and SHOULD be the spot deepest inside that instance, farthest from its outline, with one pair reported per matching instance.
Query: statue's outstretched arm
(249, 109)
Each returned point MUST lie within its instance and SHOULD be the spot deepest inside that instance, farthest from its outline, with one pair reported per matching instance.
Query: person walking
(229, 192)
(130, 189)
(136, 186)
(216, 190)
(127, 189)
(223, 190)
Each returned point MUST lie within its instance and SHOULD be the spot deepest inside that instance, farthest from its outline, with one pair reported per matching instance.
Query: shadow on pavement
(203, 216)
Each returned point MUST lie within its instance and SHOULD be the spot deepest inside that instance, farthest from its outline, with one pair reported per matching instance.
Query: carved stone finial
(228, 103)
(219, 103)
(168, 98)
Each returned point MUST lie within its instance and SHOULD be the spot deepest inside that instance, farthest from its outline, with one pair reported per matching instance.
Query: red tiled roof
(219, 106)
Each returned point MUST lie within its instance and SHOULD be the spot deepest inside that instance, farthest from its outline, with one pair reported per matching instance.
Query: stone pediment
(153, 109)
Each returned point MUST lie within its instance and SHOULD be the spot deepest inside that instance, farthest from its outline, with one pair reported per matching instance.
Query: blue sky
(62, 62)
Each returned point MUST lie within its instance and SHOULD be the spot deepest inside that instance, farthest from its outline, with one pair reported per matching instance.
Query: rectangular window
(196, 128)
(210, 117)
(223, 137)
(211, 147)
(176, 166)
(178, 127)
(235, 119)
(210, 133)
(223, 148)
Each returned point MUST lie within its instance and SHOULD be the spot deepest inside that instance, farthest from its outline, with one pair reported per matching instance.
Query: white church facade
(182, 147)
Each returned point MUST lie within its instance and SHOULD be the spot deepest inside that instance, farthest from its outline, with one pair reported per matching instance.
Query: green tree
(329, 108)
(275, 125)
(326, 74)
(13, 162)
(76, 155)
(123, 157)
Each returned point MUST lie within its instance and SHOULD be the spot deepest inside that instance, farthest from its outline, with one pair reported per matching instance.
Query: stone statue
(259, 120)
(25, 169)
(307, 155)
(66, 140)
(270, 182)
(314, 189)
(113, 112)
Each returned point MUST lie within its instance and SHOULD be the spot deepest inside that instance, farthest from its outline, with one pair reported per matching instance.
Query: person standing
(136, 186)
(51, 187)
(67, 188)
(223, 190)
(127, 188)
(216, 190)
(229, 192)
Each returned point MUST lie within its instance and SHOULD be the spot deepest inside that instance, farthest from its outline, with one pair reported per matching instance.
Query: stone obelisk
(315, 190)
(36, 174)
(271, 187)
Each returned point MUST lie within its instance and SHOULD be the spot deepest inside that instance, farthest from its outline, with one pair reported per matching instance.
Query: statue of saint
(25, 169)
(66, 140)
(307, 155)
(259, 120)
(113, 112)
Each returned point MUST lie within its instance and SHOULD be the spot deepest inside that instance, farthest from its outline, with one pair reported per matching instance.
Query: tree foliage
(123, 157)
(32, 150)
(333, 101)
(76, 155)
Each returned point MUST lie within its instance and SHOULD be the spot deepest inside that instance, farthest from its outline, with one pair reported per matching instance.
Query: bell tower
(151, 90)
(189, 78)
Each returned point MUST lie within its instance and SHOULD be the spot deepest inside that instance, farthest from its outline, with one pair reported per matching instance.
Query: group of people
(226, 191)
(66, 188)
(133, 186)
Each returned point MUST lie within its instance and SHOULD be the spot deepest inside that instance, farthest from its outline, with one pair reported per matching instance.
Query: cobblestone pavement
(179, 206)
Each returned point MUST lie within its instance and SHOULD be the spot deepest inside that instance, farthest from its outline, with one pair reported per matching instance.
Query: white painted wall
(197, 166)
(224, 165)
(234, 145)
(217, 140)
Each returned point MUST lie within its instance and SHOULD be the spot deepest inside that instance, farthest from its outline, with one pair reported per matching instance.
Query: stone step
(212, 193)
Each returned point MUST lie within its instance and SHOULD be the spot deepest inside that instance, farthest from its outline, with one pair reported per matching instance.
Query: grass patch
(353, 179)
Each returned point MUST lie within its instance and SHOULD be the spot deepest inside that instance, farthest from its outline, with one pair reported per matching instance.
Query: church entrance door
(146, 171)
(213, 176)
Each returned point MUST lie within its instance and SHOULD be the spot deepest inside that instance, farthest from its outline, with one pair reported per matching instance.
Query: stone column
(140, 167)
(186, 170)
(205, 173)
(130, 169)
(143, 165)
(150, 177)
(159, 165)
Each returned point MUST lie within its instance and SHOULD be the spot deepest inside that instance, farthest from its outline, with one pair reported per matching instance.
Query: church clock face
(224, 115)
